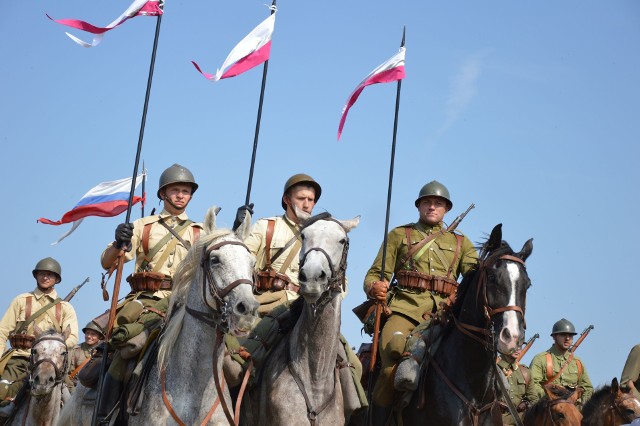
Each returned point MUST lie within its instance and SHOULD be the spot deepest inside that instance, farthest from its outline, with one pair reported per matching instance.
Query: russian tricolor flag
(107, 199)
(252, 50)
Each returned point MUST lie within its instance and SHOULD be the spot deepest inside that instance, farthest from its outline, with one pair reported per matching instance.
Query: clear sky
(528, 109)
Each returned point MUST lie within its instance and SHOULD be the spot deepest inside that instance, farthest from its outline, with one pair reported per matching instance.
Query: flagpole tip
(404, 30)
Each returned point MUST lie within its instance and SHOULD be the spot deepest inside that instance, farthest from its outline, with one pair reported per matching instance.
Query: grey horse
(300, 382)
(212, 294)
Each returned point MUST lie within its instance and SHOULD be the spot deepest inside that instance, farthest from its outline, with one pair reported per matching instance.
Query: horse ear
(245, 227)
(351, 223)
(210, 219)
(37, 331)
(527, 248)
(615, 387)
(67, 332)
(495, 239)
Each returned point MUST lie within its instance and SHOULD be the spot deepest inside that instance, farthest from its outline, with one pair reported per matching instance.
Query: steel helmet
(301, 178)
(436, 189)
(563, 326)
(177, 174)
(48, 264)
(95, 327)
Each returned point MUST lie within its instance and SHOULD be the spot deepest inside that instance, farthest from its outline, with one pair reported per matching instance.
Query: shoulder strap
(414, 249)
(526, 375)
(27, 308)
(146, 231)
(163, 241)
(37, 314)
(579, 363)
(455, 255)
(562, 368)
(196, 234)
(59, 314)
(171, 246)
(549, 368)
(295, 250)
(267, 244)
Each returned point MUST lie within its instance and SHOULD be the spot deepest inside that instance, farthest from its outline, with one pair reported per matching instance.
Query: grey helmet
(436, 189)
(177, 174)
(95, 327)
(563, 326)
(48, 264)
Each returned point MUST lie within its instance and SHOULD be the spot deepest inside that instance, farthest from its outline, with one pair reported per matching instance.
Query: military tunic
(77, 356)
(519, 380)
(631, 370)
(16, 368)
(570, 377)
(410, 306)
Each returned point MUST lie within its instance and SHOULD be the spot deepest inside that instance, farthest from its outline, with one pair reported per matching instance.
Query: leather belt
(423, 282)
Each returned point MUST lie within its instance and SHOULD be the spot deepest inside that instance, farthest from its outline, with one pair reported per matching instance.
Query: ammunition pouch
(271, 280)
(415, 280)
(149, 281)
(21, 341)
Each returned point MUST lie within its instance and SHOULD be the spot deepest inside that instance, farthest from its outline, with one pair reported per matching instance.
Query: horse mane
(540, 407)
(182, 280)
(594, 403)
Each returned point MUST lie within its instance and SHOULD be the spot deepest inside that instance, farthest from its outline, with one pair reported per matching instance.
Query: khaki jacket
(518, 386)
(17, 310)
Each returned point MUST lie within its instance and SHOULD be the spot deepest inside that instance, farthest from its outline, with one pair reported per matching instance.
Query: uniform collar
(290, 222)
(429, 229)
(557, 352)
(504, 364)
(38, 294)
(165, 214)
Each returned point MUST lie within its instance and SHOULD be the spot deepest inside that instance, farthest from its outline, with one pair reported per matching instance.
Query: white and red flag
(137, 8)
(106, 199)
(390, 70)
(252, 50)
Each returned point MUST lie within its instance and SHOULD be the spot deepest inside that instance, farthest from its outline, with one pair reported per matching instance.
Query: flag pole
(379, 305)
(120, 258)
(144, 196)
(257, 132)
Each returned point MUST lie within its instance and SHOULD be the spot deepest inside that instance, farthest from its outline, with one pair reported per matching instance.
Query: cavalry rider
(80, 355)
(559, 365)
(424, 279)
(159, 243)
(519, 381)
(41, 307)
(276, 243)
(631, 371)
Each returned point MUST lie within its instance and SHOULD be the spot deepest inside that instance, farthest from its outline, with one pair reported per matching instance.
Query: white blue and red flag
(137, 8)
(252, 50)
(390, 70)
(107, 199)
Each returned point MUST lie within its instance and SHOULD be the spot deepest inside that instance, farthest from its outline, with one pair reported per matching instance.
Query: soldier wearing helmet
(41, 307)
(158, 243)
(559, 365)
(426, 262)
(80, 355)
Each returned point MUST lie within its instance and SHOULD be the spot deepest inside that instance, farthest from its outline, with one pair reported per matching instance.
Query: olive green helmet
(435, 189)
(95, 327)
(563, 326)
(301, 178)
(176, 174)
(48, 264)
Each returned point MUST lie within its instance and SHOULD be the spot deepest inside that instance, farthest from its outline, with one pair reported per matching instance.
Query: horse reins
(59, 372)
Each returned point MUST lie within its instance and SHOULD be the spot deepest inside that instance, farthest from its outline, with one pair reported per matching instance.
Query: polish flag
(252, 50)
(391, 70)
(137, 8)
(107, 199)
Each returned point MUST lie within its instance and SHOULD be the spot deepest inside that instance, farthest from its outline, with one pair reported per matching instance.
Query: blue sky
(529, 110)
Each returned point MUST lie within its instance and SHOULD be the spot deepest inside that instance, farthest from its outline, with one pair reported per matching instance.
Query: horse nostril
(323, 275)
(302, 276)
(241, 308)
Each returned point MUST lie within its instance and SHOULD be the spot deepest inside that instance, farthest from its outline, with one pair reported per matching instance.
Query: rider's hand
(241, 214)
(124, 232)
(522, 406)
(378, 290)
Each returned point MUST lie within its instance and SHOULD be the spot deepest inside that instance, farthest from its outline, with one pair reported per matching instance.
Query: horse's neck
(313, 344)
(44, 411)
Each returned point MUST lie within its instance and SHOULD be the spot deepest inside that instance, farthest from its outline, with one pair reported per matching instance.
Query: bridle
(553, 403)
(60, 372)
(616, 406)
(486, 334)
(218, 317)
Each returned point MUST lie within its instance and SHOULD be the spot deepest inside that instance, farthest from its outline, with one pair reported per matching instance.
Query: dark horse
(610, 406)
(458, 385)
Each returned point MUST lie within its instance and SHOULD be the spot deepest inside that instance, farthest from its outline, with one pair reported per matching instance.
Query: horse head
(561, 405)
(49, 361)
(505, 289)
(323, 256)
(625, 403)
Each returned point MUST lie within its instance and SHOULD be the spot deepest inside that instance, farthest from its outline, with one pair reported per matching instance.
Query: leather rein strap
(59, 372)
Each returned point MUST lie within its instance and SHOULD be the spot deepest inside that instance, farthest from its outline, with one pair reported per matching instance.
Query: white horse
(212, 294)
(300, 381)
(47, 370)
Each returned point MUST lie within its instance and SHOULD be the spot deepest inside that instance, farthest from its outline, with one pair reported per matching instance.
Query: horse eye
(342, 241)
(302, 236)
(34, 352)
(215, 260)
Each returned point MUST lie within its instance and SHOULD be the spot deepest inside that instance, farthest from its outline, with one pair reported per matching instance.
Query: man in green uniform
(518, 382)
(631, 371)
(559, 365)
(426, 261)
(41, 307)
(159, 243)
(80, 355)
(276, 243)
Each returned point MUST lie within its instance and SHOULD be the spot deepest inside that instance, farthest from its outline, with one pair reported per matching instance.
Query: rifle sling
(38, 313)
(413, 249)
(163, 242)
(186, 244)
(296, 236)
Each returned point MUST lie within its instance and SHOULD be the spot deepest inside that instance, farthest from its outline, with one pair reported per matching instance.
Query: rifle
(584, 334)
(75, 290)
(458, 219)
(526, 347)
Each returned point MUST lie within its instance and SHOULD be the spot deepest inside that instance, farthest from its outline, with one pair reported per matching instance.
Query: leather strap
(267, 244)
(27, 308)
(455, 255)
(413, 249)
(512, 409)
(186, 244)
(163, 241)
(146, 232)
(174, 415)
(295, 251)
(75, 372)
(551, 377)
(37, 314)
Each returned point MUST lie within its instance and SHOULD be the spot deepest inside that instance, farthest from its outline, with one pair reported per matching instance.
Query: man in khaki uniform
(426, 278)
(158, 243)
(559, 365)
(518, 381)
(80, 355)
(41, 307)
(631, 370)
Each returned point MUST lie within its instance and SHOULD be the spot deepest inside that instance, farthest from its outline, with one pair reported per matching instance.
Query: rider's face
(303, 197)
(432, 209)
(563, 340)
(176, 197)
